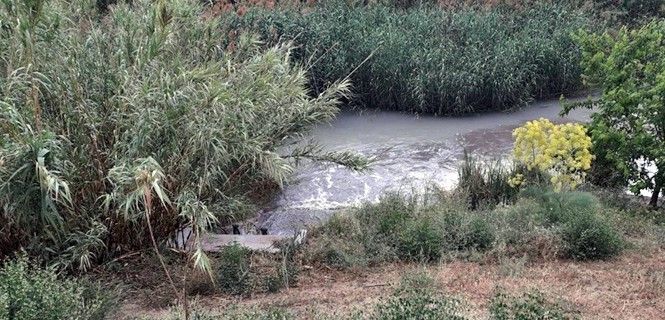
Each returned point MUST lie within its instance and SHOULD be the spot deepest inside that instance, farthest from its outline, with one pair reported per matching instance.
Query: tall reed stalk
(142, 102)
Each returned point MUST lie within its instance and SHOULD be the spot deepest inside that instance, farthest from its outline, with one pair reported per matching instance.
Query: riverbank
(607, 265)
(409, 152)
(337, 278)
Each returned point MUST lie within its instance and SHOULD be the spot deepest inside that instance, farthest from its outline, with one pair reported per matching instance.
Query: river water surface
(410, 153)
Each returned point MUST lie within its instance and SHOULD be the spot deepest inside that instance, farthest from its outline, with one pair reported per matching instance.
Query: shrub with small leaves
(421, 239)
(558, 208)
(233, 312)
(585, 234)
(28, 292)
(416, 299)
(389, 215)
(234, 270)
(588, 237)
(479, 235)
(530, 306)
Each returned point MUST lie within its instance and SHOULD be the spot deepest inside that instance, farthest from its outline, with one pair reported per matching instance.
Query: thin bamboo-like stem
(148, 206)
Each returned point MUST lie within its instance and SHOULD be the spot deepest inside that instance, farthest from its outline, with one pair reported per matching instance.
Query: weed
(479, 234)
(588, 237)
(389, 215)
(421, 240)
(234, 275)
(416, 299)
(233, 312)
(28, 292)
(486, 184)
(530, 306)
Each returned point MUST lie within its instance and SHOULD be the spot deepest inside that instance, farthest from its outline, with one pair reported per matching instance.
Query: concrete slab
(215, 242)
(264, 243)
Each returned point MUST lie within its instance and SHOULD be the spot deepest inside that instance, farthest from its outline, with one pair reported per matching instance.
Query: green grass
(234, 270)
(541, 225)
(485, 183)
(241, 272)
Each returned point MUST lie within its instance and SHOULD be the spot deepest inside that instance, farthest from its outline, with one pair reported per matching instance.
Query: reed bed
(427, 59)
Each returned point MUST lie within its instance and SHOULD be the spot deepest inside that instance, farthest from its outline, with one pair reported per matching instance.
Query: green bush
(520, 233)
(28, 292)
(416, 298)
(541, 225)
(389, 215)
(479, 235)
(431, 60)
(588, 237)
(530, 306)
(234, 275)
(558, 208)
(343, 242)
(421, 240)
(241, 271)
(286, 268)
(233, 312)
(417, 306)
(644, 9)
(339, 253)
(465, 231)
(269, 314)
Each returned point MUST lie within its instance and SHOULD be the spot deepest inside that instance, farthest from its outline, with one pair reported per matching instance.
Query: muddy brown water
(410, 152)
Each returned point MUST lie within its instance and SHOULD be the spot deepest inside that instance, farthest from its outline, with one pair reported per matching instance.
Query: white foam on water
(411, 154)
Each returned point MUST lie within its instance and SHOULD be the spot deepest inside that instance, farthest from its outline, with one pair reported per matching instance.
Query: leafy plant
(480, 235)
(233, 312)
(628, 124)
(530, 306)
(415, 299)
(586, 235)
(562, 150)
(28, 292)
(120, 130)
(589, 238)
(421, 240)
(234, 274)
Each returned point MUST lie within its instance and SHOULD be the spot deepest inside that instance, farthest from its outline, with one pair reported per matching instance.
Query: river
(410, 153)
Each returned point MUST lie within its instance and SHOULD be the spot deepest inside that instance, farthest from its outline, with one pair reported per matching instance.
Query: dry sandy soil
(631, 286)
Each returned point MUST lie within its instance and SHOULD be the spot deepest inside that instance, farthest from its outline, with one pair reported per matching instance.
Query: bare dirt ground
(631, 286)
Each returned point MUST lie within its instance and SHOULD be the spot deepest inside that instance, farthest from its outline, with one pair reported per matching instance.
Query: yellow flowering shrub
(562, 150)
